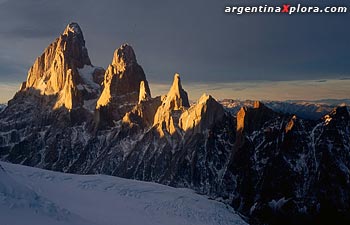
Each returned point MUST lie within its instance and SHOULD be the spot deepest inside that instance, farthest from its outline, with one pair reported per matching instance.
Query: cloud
(194, 38)
(25, 19)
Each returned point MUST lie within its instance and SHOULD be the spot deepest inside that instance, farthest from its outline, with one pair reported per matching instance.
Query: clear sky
(229, 56)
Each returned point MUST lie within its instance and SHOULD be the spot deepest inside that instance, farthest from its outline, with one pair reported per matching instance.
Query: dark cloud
(11, 70)
(194, 38)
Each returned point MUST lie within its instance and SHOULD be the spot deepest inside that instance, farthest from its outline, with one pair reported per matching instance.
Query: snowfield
(35, 196)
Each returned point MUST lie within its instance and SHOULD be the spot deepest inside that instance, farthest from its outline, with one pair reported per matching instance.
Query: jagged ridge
(63, 119)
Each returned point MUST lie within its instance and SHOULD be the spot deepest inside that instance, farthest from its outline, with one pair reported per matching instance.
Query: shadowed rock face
(272, 167)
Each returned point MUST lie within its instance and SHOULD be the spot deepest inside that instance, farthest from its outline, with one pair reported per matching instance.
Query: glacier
(45, 197)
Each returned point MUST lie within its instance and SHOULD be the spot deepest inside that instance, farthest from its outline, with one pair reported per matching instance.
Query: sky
(256, 56)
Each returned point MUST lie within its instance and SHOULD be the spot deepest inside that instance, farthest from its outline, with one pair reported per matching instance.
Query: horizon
(295, 90)
(251, 90)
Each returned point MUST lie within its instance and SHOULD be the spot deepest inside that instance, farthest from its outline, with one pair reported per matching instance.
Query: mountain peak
(123, 57)
(201, 116)
(177, 82)
(248, 118)
(175, 100)
(177, 97)
(204, 98)
(72, 28)
(55, 72)
(122, 82)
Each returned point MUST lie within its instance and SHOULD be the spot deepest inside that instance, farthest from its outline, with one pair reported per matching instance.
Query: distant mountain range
(307, 109)
(275, 163)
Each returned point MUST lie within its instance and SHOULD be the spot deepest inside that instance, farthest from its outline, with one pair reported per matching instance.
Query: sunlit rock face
(64, 71)
(201, 116)
(121, 83)
(171, 115)
(173, 104)
(144, 92)
(49, 72)
(177, 97)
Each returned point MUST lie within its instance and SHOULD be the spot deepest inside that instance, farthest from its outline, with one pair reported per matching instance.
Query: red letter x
(285, 8)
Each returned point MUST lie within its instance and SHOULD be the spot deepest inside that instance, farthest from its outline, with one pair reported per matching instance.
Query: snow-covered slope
(35, 196)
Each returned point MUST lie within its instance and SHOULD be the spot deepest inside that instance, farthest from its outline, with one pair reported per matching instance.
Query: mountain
(312, 110)
(36, 196)
(121, 86)
(272, 167)
(64, 71)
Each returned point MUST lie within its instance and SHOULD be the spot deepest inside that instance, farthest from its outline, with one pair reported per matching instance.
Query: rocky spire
(144, 94)
(175, 115)
(177, 97)
(55, 72)
(167, 116)
(122, 82)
